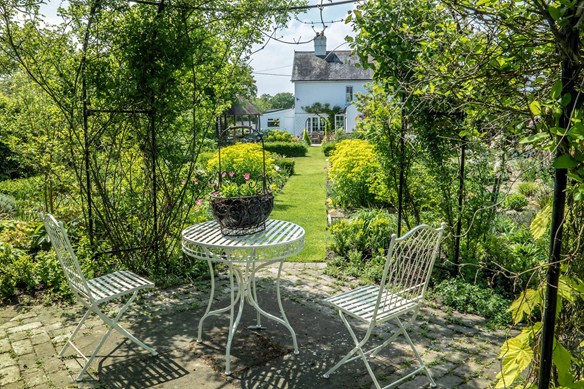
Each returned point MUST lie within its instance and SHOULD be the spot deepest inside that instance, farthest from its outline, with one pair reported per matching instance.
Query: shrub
(470, 298)
(16, 271)
(306, 137)
(340, 134)
(515, 201)
(353, 173)
(360, 243)
(286, 165)
(23, 188)
(8, 208)
(287, 149)
(328, 148)
(528, 188)
(243, 158)
(204, 157)
(278, 136)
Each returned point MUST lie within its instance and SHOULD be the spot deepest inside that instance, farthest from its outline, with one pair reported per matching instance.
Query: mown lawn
(302, 201)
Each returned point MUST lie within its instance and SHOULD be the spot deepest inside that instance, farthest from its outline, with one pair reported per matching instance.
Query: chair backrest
(408, 267)
(66, 255)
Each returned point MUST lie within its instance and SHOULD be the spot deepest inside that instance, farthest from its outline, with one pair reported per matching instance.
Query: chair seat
(117, 284)
(360, 303)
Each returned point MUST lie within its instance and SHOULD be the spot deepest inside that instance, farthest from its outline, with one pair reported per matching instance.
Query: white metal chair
(94, 292)
(406, 273)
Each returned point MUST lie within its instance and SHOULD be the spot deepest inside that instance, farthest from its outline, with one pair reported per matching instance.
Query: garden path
(302, 201)
(460, 352)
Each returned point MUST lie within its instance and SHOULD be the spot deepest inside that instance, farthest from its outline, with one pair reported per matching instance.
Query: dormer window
(348, 93)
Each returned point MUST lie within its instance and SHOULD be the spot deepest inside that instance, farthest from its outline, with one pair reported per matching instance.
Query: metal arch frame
(244, 268)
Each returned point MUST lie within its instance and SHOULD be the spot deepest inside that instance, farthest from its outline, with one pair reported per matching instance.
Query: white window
(349, 93)
(314, 124)
(339, 121)
(274, 122)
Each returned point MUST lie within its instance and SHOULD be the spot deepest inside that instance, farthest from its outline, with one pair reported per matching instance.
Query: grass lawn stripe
(302, 201)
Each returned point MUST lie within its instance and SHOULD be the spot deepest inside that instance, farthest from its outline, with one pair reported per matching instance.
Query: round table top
(279, 240)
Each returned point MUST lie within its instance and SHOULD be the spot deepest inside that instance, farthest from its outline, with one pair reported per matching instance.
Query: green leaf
(559, 131)
(557, 89)
(555, 12)
(577, 131)
(566, 99)
(524, 304)
(517, 356)
(575, 177)
(565, 162)
(535, 108)
(534, 138)
(540, 222)
(563, 360)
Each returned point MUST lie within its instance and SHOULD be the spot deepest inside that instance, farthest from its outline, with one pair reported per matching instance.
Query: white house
(323, 77)
(281, 119)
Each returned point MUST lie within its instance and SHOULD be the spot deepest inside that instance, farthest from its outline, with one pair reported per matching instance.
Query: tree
(138, 87)
(510, 70)
(283, 100)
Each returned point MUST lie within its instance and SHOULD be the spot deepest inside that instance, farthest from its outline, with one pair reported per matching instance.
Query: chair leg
(114, 324)
(418, 357)
(73, 334)
(360, 350)
(357, 348)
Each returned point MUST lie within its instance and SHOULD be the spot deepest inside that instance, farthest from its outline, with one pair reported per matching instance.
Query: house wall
(286, 118)
(332, 92)
(351, 117)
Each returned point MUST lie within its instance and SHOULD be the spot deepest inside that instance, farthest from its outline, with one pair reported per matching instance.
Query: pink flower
(231, 174)
(199, 202)
(246, 176)
(223, 174)
(183, 181)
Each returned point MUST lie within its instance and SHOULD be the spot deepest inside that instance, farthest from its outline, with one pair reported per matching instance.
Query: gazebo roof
(243, 108)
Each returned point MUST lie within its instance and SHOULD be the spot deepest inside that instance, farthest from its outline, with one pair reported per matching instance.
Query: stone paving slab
(458, 350)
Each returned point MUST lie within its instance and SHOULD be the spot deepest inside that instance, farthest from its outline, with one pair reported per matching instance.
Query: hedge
(296, 149)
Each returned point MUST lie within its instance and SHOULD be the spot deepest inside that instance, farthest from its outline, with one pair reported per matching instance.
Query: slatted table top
(280, 239)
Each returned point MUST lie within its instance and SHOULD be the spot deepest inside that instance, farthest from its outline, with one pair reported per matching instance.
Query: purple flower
(246, 176)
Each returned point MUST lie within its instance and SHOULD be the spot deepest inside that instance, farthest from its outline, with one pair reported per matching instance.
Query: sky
(272, 64)
(277, 57)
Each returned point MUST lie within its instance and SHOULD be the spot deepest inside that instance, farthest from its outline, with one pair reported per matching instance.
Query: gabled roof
(336, 66)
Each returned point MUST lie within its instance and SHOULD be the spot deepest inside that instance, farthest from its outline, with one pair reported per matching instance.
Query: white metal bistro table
(244, 255)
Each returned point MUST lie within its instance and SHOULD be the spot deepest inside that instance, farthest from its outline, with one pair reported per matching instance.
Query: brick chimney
(320, 45)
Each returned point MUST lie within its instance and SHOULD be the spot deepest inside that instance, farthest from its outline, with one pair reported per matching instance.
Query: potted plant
(241, 201)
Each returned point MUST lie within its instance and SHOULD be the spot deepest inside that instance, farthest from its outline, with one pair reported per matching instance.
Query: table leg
(282, 308)
(211, 297)
(233, 325)
(258, 325)
(254, 303)
(219, 311)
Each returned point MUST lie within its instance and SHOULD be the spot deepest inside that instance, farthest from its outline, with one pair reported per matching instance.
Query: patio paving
(460, 352)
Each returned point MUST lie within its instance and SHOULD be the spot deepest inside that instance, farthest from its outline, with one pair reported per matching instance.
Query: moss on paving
(302, 201)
